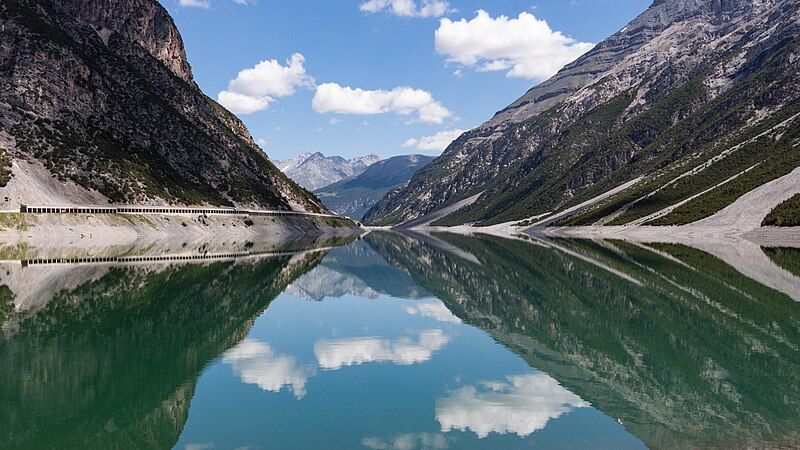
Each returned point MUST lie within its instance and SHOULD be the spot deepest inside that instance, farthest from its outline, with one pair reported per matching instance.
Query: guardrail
(39, 209)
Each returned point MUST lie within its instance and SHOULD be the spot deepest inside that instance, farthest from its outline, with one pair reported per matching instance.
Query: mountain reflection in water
(403, 341)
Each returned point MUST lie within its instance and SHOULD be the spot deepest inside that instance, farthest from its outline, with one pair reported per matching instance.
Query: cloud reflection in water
(434, 310)
(335, 354)
(521, 406)
(254, 362)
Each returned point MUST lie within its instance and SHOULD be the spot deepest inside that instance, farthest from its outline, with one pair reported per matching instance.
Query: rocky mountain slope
(694, 103)
(355, 195)
(98, 104)
(315, 170)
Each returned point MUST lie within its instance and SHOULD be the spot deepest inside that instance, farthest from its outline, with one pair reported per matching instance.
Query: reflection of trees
(6, 305)
(114, 363)
(697, 355)
(786, 258)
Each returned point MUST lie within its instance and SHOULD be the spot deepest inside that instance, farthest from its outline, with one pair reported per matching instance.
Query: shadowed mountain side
(114, 362)
(696, 356)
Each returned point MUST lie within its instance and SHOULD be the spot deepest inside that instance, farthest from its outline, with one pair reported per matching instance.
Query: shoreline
(766, 236)
(54, 230)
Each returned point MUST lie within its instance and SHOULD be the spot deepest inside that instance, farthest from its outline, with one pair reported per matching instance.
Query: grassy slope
(700, 134)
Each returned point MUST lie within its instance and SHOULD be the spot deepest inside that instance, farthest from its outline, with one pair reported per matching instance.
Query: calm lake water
(400, 341)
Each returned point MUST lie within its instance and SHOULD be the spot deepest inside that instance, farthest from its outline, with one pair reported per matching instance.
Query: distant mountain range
(688, 108)
(354, 195)
(98, 104)
(315, 170)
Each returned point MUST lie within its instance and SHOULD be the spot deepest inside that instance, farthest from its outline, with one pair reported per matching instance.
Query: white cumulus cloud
(436, 143)
(205, 4)
(408, 8)
(404, 101)
(255, 88)
(525, 47)
(521, 406)
(254, 362)
(338, 353)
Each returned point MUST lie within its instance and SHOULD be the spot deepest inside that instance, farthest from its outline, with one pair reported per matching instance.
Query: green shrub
(5, 167)
(6, 303)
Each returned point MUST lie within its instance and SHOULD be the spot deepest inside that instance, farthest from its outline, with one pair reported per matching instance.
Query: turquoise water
(404, 342)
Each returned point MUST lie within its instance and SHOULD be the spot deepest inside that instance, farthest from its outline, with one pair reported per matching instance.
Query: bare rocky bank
(88, 230)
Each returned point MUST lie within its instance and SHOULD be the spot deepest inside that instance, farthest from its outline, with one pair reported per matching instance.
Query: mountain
(98, 104)
(315, 170)
(686, 109)
(355, 195)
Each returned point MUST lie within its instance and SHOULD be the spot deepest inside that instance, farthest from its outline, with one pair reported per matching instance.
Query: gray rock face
(100, 96)
(315, 170)
(619, 112)
(140, 23)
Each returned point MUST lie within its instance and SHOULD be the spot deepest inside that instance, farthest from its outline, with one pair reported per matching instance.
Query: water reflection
(106, 356)
(437, 341)
(256, 363)
(521, 405)
(355, 269)
(433, 309)
(338, 353)
(680, 347)
(408, 441)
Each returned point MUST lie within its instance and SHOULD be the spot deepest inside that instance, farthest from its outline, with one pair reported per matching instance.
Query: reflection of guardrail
(162, 258)
(37, 209)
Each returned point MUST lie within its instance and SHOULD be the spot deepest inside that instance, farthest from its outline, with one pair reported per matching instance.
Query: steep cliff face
(141, 24)
(98, 103)
(670, 93)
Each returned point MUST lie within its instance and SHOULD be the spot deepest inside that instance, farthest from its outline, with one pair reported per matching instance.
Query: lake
(400, 341)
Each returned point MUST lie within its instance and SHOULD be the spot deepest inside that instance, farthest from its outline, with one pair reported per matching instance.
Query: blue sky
(375, 75)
